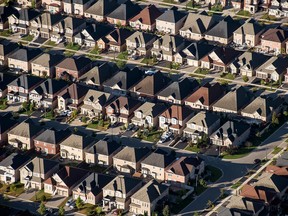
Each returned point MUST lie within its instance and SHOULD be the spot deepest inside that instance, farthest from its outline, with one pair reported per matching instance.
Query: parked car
(136, 128)
(257, 161)
(130, 127)
(23, 35)
(69, 202)
(72, 205)
(151, 71)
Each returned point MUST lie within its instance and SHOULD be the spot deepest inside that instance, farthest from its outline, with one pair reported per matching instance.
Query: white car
(151, 71)
(69, 202)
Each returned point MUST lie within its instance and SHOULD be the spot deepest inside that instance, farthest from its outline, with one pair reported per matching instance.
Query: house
(72, 97)
(43, 25)
(145, 200)
(248, 34)
(5, 79)
(45, 95)
(75, 145)
(22, 136)
(252, 6)
(247, 63)
(276, 8)
(151, 85)
(259, 193)
(222, 32)
(44, 65)
(201, 125)
(29, 4)
(115, 40)
(91, 34)
(205, 96)
(231, 134)
(76, 7)
(22, 58)
(197, 24)
(6, 49)
(182, 170)
(10, 167)
(20, 22)
(167, 46)
(175, 118)
(72, 26)
(129, 159)
(63, 182)
(90, 188)
(19, 88)
(53, 6)
(219, 59)
(6, 124)
(233, 102)
(177, 91)
(102, 152)
(5, 12)
(35, 172)
(123, 13)
(122, 109)
(73, 68)
(98, 74)
(280, 171)
(95, 103)
(156, 164)
(273, 69)
(262, 108)
(48, 141)
(274, 40)
(148, 114)
(122, 81)
(146, 19)
(101, 9)
(140, 43)
(171, 21)
(117, 194)
(282, 161)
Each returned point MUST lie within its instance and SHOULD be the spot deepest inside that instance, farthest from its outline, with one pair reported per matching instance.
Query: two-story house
(72, 26)
(6, 124)
(53, 6)
(6, 49)
(274, 40)
(5, 12)
(77, 7)
(5, 79)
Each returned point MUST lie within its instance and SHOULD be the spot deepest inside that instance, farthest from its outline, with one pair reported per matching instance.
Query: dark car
(130, 127)
(257, 161)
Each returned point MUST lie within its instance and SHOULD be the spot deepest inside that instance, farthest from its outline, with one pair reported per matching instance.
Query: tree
(98, 210)
(25, 105)
(275, 119)
(31, 106)
(33, 4)
(13, 187)
(202, 182)
(61, 211)
(42, 209)
(245, 78)
(209, 204)
(43, 198)
(209, 6)
(193, 3)
(79, 203)
(166, 211)
(121, 64)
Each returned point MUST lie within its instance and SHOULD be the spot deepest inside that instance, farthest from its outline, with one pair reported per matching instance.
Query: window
(174, 121)
(162, 119)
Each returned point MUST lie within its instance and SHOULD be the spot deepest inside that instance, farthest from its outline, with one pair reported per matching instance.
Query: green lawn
(37, 197)
(228, 76)
(217, 8)
(196, 6)
(73, 46)
(148, 61)
(49, 115)
(93, 57)
(215, 173)
(276, 150)
(199, 189)
(5, 33)
(236, 185)
(87, 208)
(241, 152)
(203, 71)
(99, 126)
(193, 148)
(3, 104)
(14, 189)
(123, 55)
(244, 13)
(69, 53)
(150, 136)
(95, 51)
(23, 111)
(269, 17)
(50, 43)
(97, 168)
(28, 38)
(182, 204)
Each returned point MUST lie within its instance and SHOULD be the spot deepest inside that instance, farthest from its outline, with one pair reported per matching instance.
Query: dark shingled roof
(26, 81)
(25, 54)
(125, 11)
(132, 154)
(5, 79)
(41, 165)
(104, 147)
(15, 161)
(74, 91)
(6, 122)
(6, 11)
(53, 136)
(172, 15)
(26, 129)
(159, 159)
(102, 7)
(123, 183)
(51, 86)
(75, 64)
(7, 47)
(27, 14)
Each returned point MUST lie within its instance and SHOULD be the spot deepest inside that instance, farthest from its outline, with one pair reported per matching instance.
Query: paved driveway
(27, 195)
(55, 201)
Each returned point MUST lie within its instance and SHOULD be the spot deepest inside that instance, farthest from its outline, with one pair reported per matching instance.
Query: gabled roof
(141, 37)
(207, 94)
(281, 171)
(26, 81)
(151, 109)
(5, 79)
(25, 54)
(74, 91)
(250, 27)
(170, 41)
(184, 165)
(102, 7)
(148, 15)
(179, 90)
(75, 64)
(27, 14)
(250, 205)
(274, 64)
(48, 60)
(104, 147)
(197, 50)
(7, 47)
(275, 35)
(172, 15)
(159, 159)
(73, 22)
(6, 122)
(125, 11)
(48, 19)
(97, 97)
(204, 119)
(53, 136)
(6, 11)
(79, 141)
(26, 129)
(132, 154)
(124, 102)
(95, 31)
(272, 181)
(178, 112)
(224, 55)
(256, 193)
(50, 86)
(15, 161)
(41, 165)
(119, 36)
(123, 184)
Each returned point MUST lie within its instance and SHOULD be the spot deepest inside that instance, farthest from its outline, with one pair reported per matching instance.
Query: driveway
(28, 194)
(55, 201)
(181, 145)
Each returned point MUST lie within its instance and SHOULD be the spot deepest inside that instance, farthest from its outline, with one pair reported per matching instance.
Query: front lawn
(28, 38)
(50, 43)
(123, 55)
(149, 61)
(150, 135)
(241, 152)
(269, 17)
(215, 173)
(99, 125)
(69, 53)
(49, 115)
(38, 197)
(227, 76)
(181, 204)
(5, 33)
(236, 185)
(193, 148)
(73, 46)
(199, 189)
(244, 13)
(203, 71)
(14, 189)
(96, 51)
(217, 7)
(3, 104)
(276, 150)
(87, 208)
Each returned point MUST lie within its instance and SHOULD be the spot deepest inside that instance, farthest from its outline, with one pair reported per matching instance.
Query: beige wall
(156, 172)
(27, 143)
(13, 63)
(72, 153)
(39, 70)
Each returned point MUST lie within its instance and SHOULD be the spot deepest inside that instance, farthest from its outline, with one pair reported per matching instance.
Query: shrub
(245, 78)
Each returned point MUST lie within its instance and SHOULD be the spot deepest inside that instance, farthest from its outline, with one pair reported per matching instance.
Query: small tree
(79, 203)
(193, 3)
(209, 6)
(275, 119)
(33, 4)
(98, 210)
(42, 209)
(13, 188)
(31, 106)
(25, 105)
(43, 198)
(166, 211)
(61, 211)
(245, 78)
(202, 182)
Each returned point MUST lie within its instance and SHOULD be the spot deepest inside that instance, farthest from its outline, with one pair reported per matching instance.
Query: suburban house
(77, 7)
(248, 34)
(259, 193)
(197, 24)
(35, 172)
(29, 4)
(177, 92)
(175, 118)
(123, 13)
(156, 164)
(73, 68)
(122, 109)
(102, 152)
(48, 141)
(205, 96)
(148, 114)
(44, 65)
(171, 21)
(101, 9)
(280, 171)
(200, 125)
(262, 108)
(182, 170)
(6, 124)
(6, 49)
(63, 182)
(5, 12)
(167, 46)
(231, 134)
(95, 103)
(122, 81)
(151, 85)
(233, 102)
(75, 145)
(22, 58)
(22, 136)
(45, 94)
(10, 167)
(282, 161)
(90, 188)
(72, 97)
(129, 159)
(140, 43)
(274, 40)
(117, 194)
(222, 32)
(146, 19)
(53, 6)
(145, 200)
(72, 26)
(5, 79)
